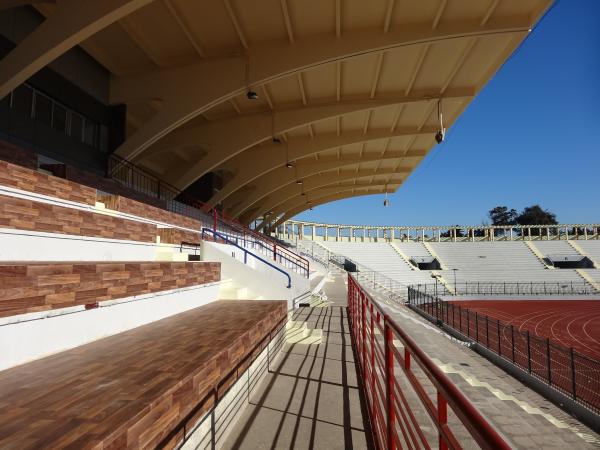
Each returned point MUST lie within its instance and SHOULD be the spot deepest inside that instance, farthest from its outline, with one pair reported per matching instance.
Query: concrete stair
(587, 278)
(402, 255)
(531, 246)
(231, 290)
(579, 250)
(435, 255)
(298, 332)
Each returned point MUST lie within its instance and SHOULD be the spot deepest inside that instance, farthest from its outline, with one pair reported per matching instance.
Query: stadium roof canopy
(347, 90)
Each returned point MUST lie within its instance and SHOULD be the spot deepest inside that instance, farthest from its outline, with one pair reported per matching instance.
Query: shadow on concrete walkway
(310, 397)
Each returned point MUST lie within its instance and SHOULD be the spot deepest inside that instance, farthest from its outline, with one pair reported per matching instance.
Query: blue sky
(532, 135)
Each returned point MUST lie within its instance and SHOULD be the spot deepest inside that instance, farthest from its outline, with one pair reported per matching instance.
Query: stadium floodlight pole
(455, 287)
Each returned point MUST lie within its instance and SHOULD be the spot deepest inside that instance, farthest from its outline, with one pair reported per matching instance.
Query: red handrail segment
(392, 420)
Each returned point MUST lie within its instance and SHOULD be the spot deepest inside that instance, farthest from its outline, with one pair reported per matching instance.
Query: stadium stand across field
(486, 259)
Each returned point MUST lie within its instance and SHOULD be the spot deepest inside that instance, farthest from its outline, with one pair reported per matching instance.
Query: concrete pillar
(337, 234)
(325, 236)
(312, 232)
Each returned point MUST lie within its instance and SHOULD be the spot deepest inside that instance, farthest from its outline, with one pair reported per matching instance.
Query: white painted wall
(18, 245)
(38, 335)
(21, 245)
(263, 282)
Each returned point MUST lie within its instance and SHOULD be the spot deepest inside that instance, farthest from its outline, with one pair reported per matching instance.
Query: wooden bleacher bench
(139, 209)
(33, 287)
(30, 180)
(24, 214)
(137, 389)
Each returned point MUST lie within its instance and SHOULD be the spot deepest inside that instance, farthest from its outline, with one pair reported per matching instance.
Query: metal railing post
(528, 351)
(549, 373)
(442, 409)
(215, 223)
(512, 340)
(573, 383)
(389, 384)
(499, 342)
(372, 359)
(487, 332)
(468, 324)
(364, 334)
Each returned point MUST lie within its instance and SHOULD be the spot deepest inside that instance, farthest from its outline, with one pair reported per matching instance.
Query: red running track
(572, 323)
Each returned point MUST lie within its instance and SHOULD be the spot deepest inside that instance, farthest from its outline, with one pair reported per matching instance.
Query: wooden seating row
(25, 214)
(32, 287)
(137, 389)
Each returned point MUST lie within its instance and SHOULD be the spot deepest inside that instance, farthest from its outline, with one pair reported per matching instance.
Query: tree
(535, 215)
(502, 216)
(459, 232)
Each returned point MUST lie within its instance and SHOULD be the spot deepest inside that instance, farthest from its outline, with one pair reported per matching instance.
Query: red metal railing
(278, 252)
(395, 412)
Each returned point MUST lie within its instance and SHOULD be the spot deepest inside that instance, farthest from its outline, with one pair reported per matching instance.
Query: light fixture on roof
(288, 163)
(274, 139)
(250, 94)
(386, 202)
(441, 134)
(298, 181)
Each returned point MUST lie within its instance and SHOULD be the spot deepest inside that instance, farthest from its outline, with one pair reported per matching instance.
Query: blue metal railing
(227, 239)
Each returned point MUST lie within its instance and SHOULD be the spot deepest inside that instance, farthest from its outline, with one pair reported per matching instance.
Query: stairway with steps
(402, 255)
(575, 246)
(434, 254)
(538, 254)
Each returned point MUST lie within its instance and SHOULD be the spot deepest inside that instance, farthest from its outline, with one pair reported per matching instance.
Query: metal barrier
(393, 418)
(136, 178)
(561, 368)
(232, 241)
(510, 288)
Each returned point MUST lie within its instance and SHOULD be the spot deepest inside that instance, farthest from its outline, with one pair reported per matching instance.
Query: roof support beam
(242, 200)
(72, 22)
(316, 181)
(322, 192)
(250, 130)
(320, 200)
(186, 96)
(284, 205)
(256, 162)
(184, 28)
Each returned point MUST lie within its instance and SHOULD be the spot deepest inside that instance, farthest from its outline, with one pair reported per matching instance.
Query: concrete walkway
(309, 399)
